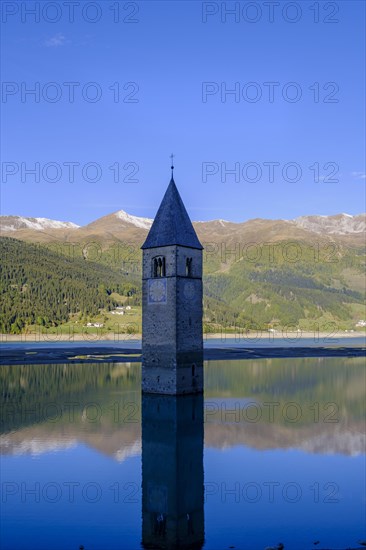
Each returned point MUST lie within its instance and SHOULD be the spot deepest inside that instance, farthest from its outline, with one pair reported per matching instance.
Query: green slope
(306, 293)
(42, 287)
(38, 286)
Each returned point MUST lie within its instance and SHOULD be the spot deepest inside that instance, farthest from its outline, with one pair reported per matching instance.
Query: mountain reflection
(52, 407)
(172, 472)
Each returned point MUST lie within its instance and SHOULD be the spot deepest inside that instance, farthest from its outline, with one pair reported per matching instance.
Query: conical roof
(172, 225)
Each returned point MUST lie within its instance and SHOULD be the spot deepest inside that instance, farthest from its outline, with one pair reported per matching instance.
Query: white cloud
(56, 40)
(359, 175)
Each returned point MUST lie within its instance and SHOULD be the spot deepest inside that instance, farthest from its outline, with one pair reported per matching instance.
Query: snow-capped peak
(220, 221)
(143, 223)
(341, 224)
(12, 223)
(45, 223)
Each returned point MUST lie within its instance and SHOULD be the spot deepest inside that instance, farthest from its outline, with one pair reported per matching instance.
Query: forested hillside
(38, 286)
(41, 287)
(305, 293)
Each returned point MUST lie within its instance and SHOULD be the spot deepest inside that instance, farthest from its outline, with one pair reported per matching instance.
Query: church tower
(172, 343)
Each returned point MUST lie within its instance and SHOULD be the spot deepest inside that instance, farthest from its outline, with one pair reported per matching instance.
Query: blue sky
(172, 63)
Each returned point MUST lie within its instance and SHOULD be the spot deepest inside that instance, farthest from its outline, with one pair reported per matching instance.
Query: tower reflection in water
(172, 471)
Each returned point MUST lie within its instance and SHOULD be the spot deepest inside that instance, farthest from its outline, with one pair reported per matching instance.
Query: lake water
(226, 340)
(274, 452)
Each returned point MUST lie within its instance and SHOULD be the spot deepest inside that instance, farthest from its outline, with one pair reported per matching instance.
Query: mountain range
(345, 228)
(307, 272)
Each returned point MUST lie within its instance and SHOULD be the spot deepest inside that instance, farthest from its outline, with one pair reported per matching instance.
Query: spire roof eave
(172, 225)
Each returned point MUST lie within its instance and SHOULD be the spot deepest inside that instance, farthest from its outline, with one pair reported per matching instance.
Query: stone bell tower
(172, 343)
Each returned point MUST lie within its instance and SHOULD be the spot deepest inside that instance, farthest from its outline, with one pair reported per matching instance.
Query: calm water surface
(274, 452)
(226, 340)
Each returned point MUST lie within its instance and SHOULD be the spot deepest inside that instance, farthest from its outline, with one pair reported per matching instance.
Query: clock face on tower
(157, 291)
(189, 290)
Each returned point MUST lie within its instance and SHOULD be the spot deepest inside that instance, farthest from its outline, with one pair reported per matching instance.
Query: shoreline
(117, 354)
(49, 338)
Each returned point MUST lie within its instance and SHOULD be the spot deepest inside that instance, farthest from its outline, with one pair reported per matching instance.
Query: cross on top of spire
(172, 165)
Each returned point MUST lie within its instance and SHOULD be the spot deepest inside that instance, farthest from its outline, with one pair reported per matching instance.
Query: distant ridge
(350, 223)
(266, 272)
(339, 224)
(121, 225)
(13, 223)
